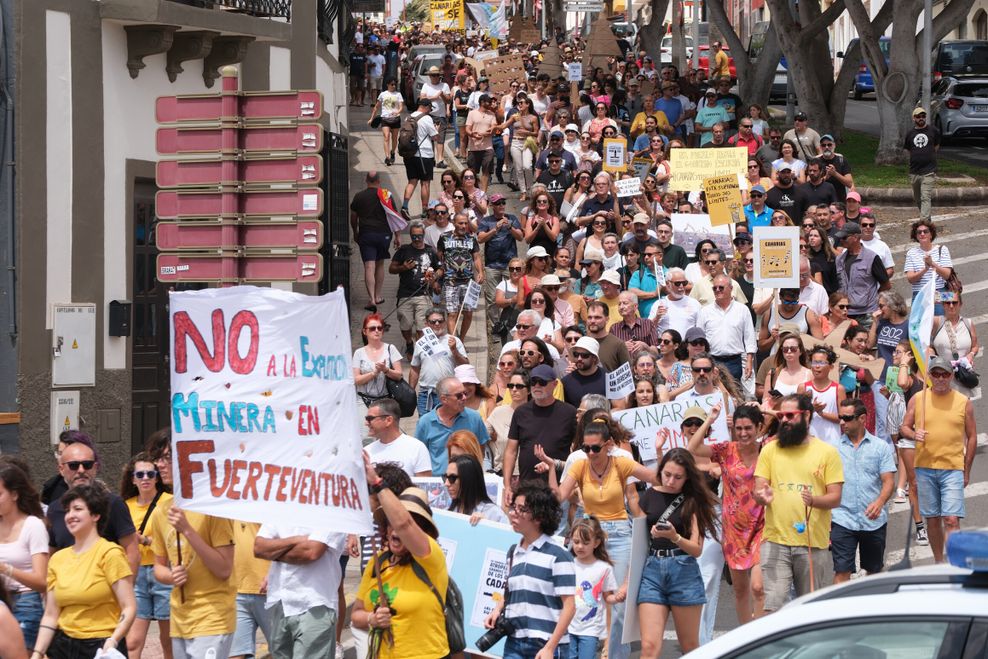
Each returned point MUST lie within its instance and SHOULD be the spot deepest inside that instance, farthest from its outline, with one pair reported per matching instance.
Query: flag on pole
(395, 220)
(499, 22)
(921, 323)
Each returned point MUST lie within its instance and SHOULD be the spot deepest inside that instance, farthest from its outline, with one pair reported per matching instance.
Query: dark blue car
(863, 81)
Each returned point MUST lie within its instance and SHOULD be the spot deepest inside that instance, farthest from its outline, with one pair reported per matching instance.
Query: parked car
(864, 82)
(959, 107)
(932, 612)
(960, 58)
(422, 64)
(666, 47)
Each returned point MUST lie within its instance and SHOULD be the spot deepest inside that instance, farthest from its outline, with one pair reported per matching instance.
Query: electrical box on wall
(64, 413)
(73, 345)
(119, 322)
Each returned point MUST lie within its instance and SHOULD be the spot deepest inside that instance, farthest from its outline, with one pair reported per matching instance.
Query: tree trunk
(650, 37)
(754, 76)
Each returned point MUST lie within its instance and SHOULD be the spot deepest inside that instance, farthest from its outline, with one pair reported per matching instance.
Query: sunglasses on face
(667, 342)
(515, 386)
(74, 465)
(692, 423)
(442, 212)
(846, 418)
(581, 355)
(756, 195)
(417, 236)
(702, 369)
(436, 321)
(375, 328)
(142, 475)
(458, 196)
(678, 283)
(790, 348)
(950, 303)
(592, 448)
(539, 382)
(867, 225)
(515, 269)
(788, 416)
(940, 375)
(712, 263)
(451, 478)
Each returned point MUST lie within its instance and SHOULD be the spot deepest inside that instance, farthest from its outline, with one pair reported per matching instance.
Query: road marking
(899, 249)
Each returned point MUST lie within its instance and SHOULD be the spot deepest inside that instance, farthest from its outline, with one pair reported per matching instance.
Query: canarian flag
(395, 220)
(921, 323)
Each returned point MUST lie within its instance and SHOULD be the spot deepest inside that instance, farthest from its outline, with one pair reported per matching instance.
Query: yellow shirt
(419, 625)
(945, 436)
(613, 315)
(814, 464)
(603, 500)
(82, 584)
(137, 513)
(722, 65)
(248, 572)
(638, 125)
(209, 608)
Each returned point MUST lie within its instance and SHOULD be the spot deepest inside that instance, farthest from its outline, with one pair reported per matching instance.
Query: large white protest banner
(645, 422)
(262, 405)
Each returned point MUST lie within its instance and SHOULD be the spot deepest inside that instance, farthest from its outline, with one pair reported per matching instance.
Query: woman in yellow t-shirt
(142, 490)
(90, 602)
(411, 612)
(601, 475)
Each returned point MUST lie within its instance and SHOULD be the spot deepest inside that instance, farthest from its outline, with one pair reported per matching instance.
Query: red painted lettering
(282, 483)
(272, 471)
(244, 364)
(255, 471)
(218, 490)
(183, 328)
(186, 467)
(272, 367)
(232, 492)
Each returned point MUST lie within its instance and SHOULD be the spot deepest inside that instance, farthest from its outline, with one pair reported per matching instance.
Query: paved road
(861, 116)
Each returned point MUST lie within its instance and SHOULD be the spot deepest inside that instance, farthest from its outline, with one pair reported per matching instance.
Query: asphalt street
(861, 116)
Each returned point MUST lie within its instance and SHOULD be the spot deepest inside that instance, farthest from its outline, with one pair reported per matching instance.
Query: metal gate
(336, 186)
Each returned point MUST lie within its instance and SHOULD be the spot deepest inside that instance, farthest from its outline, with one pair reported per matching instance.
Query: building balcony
(264, 20)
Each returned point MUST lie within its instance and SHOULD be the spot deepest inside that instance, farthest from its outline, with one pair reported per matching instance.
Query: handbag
(401, 392)
(954, 283)
(506, 322)
(376, 121)
(966, 376)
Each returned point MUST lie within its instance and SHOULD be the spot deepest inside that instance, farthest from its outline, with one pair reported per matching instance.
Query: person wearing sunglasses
(601, 475)
(586, 376)
(79, 465)
(427, 370)
(788, 310)
(434, 428)
(756, 213)
(391, 444)
(517, 391)
(417, 266)
(464, 480)
(862, 274)
(797, 520)
(955, 338)
(142, 491)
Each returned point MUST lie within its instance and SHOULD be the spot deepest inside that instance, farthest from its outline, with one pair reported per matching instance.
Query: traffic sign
(227, 268)
(303, 268)
(233, 235)
(221, 267)
(229, 203)
(228, 170)
(297, 138)
(230, 106)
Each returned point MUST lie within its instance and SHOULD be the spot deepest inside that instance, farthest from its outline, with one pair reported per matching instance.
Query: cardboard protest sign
(502, 71)
(439, 498)
(642, 166)
(628, 187)
(447, 14)
(620, 382)
(615, 159)
(690, 228)
(776, 253)
(723, 200)
(645, 422)
(690, 167)
(262, 408)
(431, 345)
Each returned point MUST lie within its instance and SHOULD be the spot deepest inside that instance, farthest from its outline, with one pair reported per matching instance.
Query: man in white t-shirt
(419, 168)
(870, 239)
(677, 310)
(812, 294)
(375, 71)
(303, 588)
(391, 444)
(439, 95)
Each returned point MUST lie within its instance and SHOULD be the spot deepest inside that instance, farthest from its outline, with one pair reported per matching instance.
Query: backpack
(408, 137)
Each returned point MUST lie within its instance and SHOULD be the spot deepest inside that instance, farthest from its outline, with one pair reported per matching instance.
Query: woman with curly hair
(679, 512)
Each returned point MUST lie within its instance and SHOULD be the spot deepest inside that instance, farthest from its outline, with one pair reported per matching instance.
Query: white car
(936, 612)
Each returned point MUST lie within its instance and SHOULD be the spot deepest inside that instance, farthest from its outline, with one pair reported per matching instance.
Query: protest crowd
(639, 372)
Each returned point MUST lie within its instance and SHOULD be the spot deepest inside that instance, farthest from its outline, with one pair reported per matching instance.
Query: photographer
(541, 581)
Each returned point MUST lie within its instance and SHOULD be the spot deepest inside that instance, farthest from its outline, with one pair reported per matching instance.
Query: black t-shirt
(826, 268)
(674, 256)
(457, 255)
(792, 200)
(843, 168)
(553, 427)
(370, 213)
(412, 282)
(748, 288)
(556, 184)
(632, 243)
(653, 503)
(463, 97)
(817, 194)
(119, 523)
(358, 65)
(921, 143)
(887, 337)
(576, 385)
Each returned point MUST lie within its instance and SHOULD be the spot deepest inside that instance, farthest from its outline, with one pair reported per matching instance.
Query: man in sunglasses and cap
(922, 143)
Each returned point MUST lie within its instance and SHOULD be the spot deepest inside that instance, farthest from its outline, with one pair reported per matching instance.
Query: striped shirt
(540, 576)
(915, 258)
(641, 329)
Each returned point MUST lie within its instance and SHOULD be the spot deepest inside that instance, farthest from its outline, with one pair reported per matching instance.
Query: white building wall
(58, 159)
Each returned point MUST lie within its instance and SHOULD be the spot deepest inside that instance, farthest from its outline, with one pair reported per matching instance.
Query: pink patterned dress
(744, 518)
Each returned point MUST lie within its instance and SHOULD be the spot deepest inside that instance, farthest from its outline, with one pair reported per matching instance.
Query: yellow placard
(690, 167)
(447, 14)
(723, 199)
(615, 154)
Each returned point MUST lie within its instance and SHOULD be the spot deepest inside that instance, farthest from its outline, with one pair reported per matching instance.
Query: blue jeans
(583, 647)
(251, 615)
(428, 400)
(735, 365)
(28, 609)
(619, 548)
(526, 648)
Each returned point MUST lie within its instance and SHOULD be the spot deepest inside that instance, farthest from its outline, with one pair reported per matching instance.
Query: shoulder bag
(401, 392)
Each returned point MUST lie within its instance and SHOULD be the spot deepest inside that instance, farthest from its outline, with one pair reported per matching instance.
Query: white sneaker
(921, 538)
(900, 495)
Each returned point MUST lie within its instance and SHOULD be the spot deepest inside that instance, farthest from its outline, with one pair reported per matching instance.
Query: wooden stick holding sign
(470, 300)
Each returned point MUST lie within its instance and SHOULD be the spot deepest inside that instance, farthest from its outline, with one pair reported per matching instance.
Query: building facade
(77, 192)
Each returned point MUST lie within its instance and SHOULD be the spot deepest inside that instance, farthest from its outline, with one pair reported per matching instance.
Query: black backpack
(408, 137)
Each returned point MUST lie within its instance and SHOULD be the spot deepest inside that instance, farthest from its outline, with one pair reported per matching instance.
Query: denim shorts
(28, 608)
(941, 492)
(153, 597)
(672, 581)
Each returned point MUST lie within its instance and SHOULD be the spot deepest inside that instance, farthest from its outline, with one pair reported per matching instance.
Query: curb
(941, 196)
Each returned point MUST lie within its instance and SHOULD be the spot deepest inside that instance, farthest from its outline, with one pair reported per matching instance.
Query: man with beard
(799, 479)
(587, 377)
(785, 196)
(612, 351)
(677, 311)
(705, 379)
(836, 169)
(818, 190)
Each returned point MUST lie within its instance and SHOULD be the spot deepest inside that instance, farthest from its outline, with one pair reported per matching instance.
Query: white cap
(589, 344)
(538, 250)
(551, 280)
(611, 276)
(572, 127)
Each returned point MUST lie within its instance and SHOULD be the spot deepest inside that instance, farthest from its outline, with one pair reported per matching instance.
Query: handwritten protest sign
(642, 166)
(628, 187)
(691, 166)
(644, 422)
(776, 257)
(620, 382)
(614, 154)
(447, 14)
(723, 200)
(262, 408)
(472, 297)
(690, 228)
(431, 345)
(574, 71)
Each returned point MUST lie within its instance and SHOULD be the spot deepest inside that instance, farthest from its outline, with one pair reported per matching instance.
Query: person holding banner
(407, 613)
(464, 479)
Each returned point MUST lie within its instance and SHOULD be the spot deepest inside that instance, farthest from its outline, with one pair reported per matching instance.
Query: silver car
(960, 107)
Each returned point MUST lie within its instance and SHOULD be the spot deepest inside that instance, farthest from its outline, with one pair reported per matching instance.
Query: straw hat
(416, 501)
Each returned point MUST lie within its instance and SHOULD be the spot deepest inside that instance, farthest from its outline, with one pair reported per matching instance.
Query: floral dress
(744, 518)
